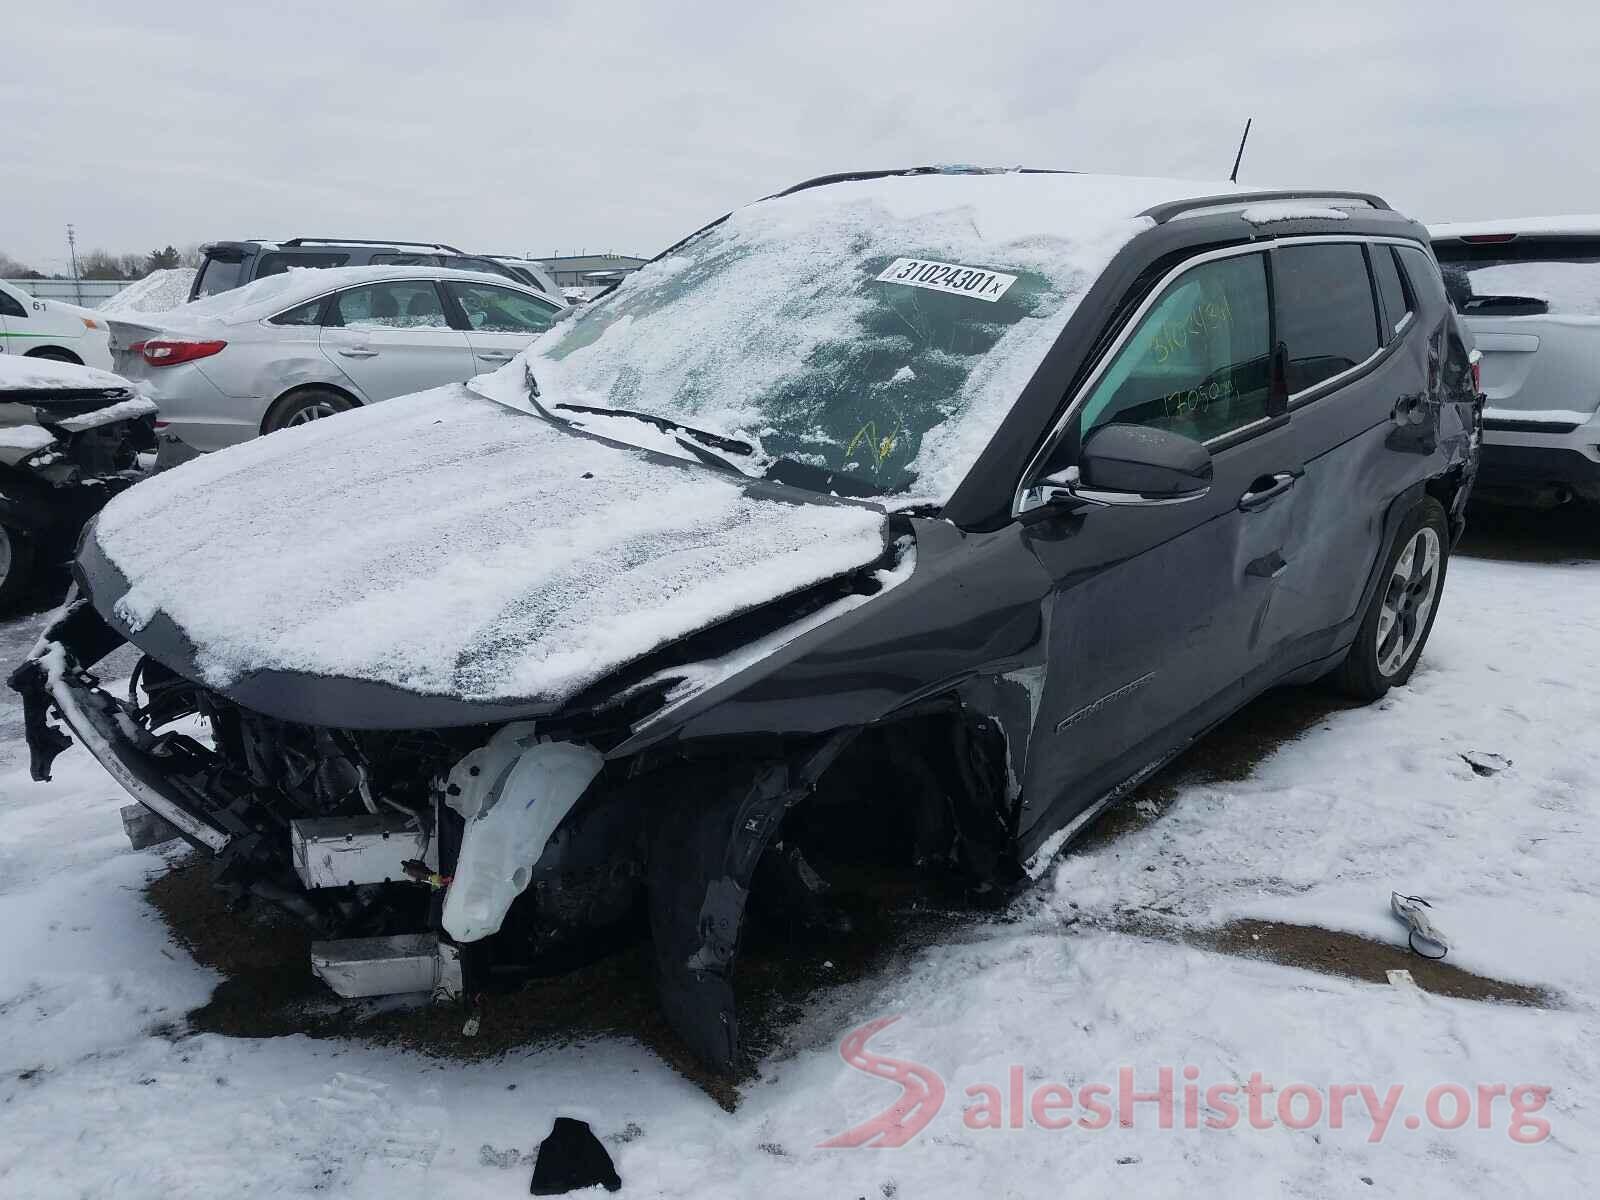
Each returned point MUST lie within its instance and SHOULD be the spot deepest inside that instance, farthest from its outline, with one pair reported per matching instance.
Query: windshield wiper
(821, 479)
(667, 425)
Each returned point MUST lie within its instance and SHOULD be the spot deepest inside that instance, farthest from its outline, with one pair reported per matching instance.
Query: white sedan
(51, 329)
(291, 348)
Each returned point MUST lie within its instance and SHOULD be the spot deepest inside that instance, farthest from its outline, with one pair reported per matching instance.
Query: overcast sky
(508, 126)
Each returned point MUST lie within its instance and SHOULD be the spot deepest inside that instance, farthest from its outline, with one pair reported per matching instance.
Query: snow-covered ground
(102, 1093)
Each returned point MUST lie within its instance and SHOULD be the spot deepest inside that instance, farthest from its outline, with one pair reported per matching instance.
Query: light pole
(72, 251)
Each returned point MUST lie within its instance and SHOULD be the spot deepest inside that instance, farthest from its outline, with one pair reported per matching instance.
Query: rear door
(500, 321)
(1358, 349)
(392, 338)
(1533, 306)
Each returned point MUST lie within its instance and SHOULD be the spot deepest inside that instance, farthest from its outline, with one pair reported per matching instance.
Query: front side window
(401, 304)
(1326, 315)
(1197, 364)
(493, 309)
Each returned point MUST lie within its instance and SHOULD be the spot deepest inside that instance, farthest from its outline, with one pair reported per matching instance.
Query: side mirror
(1144, 462)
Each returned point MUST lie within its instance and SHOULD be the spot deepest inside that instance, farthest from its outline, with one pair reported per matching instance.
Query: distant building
(591, 270)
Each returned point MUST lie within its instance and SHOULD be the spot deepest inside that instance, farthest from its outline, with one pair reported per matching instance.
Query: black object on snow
(571, 1158)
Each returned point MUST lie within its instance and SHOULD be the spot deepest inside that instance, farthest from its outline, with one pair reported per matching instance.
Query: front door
(392, 338)
(500, 321)
(1155, 620)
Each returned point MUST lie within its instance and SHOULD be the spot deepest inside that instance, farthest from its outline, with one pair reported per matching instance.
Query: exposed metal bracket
(336, 851)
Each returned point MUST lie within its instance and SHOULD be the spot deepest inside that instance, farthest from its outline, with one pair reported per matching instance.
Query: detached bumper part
(52, 678)
(356, 968)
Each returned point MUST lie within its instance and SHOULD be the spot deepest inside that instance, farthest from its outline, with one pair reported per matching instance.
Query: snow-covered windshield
(877, 329)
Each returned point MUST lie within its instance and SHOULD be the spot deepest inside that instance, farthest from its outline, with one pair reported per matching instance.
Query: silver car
(291, 348)
(1529, 290)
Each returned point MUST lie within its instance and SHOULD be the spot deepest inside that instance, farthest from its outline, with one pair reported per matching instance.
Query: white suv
(1530, 292)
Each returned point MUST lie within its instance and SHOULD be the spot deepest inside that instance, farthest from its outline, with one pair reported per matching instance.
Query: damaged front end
(467, 858)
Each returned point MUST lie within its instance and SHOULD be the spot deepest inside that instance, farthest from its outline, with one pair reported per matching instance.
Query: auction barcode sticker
(977, 282)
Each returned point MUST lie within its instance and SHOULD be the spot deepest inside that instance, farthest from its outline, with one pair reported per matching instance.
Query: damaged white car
(902, 518)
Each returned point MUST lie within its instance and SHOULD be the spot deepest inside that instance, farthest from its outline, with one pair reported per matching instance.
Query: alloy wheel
(1408, 599)
(307, 413)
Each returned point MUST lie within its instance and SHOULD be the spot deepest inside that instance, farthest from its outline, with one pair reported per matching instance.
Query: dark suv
(897, 523)
(227, 265)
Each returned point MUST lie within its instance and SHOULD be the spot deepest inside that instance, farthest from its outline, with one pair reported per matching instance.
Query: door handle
(496, 355)
(357, 352)
(1267, 489)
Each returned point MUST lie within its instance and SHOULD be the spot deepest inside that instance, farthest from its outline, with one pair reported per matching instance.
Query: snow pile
(446, 545)
(1291, 210)
(156, 292)
(751, 309)
(1570, 288)
(19, 372)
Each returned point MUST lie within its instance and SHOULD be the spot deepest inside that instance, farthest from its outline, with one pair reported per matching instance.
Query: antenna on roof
(1233, 176)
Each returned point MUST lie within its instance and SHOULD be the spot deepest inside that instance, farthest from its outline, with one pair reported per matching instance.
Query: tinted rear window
(277, 262)
(1390, 290)
(218, 275)
(1325, 310)
(1562, 272)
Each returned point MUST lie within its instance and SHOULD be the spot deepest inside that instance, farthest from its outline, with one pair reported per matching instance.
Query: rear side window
(1499, 277)
(1197, 363)
(218, 275)
(1326, 315)
(276, 263)
(1423, 275)
(1390, 290)
(309, 313)
(402, 258)
(10, 306)
(487, 266)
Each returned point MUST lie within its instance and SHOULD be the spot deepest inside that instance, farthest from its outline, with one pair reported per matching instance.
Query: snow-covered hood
(18, 373)
(446, 545)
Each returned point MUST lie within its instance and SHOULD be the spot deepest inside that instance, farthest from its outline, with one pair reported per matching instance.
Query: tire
(1403, 607)
(55, 355)
(17, 575)
(304, 406)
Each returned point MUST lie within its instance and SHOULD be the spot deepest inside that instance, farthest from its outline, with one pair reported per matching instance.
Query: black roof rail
(1162, 213)
(301, 241)
(951, 169)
